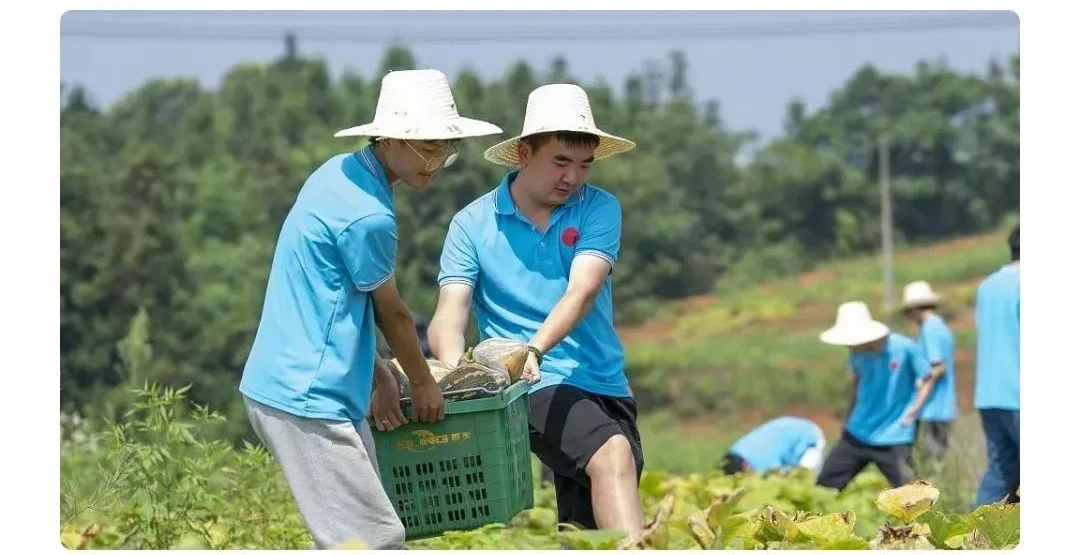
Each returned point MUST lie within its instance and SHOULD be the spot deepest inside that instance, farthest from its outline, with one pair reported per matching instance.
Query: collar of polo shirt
(504, 202)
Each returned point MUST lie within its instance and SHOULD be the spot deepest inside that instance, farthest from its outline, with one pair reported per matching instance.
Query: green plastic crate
(470, 469)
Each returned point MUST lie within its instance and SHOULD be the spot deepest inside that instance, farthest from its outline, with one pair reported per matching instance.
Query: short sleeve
(933, 344)
(920, 365)
(601, 229)
(369, 248)
(459, 262)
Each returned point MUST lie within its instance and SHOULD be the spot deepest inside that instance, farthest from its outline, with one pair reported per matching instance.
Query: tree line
(172, 198)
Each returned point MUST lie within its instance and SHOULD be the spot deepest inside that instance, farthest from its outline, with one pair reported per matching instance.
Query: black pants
(934, 438)
(567, 426)
(850, 456)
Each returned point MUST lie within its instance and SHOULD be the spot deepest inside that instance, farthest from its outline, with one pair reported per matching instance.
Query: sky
(753, 63)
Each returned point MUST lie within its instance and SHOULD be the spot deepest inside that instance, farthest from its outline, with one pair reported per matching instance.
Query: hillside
(708, 368)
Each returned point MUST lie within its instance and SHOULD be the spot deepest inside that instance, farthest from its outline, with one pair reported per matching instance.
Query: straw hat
(557, 108)
(919, 293)
(854, 326)
(417, 104)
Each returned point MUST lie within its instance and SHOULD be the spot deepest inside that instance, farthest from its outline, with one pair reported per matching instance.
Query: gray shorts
(331, 470)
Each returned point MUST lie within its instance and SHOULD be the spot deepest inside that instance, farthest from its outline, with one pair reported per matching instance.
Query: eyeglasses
(449, 156)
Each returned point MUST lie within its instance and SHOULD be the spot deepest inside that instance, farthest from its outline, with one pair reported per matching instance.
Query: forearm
(923, 393)
(566, 314)
(383, 375)
(447, 341)
(399, 329)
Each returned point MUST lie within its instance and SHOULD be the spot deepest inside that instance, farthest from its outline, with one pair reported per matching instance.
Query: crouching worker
(780, 444)
(534, 257)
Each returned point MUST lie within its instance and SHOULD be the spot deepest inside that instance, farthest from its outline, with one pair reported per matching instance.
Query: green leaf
(591, 539)
(739, 529)
(852, 543)
(944, 527)
(1000, 524)
(908, 502)
(722, 507)
(828, 528)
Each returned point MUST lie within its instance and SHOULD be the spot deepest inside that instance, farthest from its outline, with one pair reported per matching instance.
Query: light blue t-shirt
(888, 383)
(314, 351)
(518, 274)
(997, 335)
(938, 345)
(778, 443)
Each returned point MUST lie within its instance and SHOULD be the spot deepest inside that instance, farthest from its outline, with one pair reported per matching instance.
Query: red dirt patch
(954, 246)
(651, 331)
(816, 276)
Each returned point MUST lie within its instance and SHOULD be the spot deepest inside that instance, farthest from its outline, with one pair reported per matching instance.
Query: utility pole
(290, 46)
(886, 225)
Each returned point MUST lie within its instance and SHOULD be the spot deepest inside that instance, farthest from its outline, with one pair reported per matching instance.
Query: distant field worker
(997, 377)
(780, 444)
(937, 343)
(890, 389)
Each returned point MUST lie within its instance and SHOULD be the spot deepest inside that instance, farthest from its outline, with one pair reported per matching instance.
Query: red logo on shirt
(894, 365)
(570, 236)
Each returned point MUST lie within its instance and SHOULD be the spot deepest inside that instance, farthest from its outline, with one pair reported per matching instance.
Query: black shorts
(567, 426)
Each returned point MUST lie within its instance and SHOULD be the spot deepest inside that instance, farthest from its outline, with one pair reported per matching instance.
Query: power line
(511, 33)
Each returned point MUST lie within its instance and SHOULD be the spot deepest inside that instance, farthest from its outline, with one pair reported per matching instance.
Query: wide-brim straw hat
(559, 107)
(418, 104)
(918, 294)
(854, 326)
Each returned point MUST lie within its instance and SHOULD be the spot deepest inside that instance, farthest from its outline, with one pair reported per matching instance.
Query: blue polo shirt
(778, 443)
(518, 274)
(887, 386)
(997, 335)
(938, 345)
(314, 351)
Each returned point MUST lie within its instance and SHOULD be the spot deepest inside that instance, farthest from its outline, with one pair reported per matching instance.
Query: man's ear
(524, 152)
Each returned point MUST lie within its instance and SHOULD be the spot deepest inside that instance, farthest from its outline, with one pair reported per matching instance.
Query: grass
(759, 347)
(707, 370)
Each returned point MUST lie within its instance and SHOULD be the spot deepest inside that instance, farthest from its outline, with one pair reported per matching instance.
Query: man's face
(871, 347)
(417, 162)
(555, 171)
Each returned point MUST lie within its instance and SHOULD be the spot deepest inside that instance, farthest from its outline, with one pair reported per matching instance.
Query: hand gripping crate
(470, 469)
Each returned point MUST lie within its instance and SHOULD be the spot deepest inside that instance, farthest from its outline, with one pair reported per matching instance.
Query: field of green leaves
(162, 476)
(157, 481)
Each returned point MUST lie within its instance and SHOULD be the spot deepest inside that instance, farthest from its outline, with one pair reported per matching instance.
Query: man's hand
(427, 400)
(386, 408)
(531, 373)
(395, 321)
(909, 417)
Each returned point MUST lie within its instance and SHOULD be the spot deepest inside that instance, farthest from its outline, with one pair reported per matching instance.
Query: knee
(392, 536)
(615, 458)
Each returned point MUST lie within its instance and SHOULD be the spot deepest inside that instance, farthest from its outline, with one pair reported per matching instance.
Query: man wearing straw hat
(307, 384)
(937, 343)
(891, 385)
(997, 377)
(534, 257)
